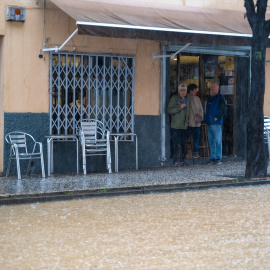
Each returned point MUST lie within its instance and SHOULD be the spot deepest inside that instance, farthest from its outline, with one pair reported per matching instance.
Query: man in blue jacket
(215, 111)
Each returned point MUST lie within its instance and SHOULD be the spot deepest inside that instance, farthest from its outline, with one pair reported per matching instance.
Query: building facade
(122, 74)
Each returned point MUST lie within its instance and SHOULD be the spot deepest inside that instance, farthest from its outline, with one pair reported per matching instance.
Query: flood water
(208, 229)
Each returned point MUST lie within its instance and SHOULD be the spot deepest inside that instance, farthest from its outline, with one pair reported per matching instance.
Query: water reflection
(210, 229)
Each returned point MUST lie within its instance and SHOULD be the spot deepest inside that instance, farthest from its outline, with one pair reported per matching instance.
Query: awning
(157, 15)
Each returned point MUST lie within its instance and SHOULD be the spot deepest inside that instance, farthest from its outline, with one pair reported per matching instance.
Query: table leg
(49, 156)
(77, 156)
(116, 153)
(52, 161)
(136, 152)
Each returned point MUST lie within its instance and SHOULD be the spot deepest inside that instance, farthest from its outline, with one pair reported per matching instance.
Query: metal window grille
(87, 86)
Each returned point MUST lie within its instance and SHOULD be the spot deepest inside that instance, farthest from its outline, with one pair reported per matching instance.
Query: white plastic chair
(19, 144)
(95, 141)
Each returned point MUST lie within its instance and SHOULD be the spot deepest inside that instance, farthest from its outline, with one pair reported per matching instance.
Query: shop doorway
(202, 69)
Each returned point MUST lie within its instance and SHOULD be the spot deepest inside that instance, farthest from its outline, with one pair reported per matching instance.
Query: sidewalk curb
(39, 198)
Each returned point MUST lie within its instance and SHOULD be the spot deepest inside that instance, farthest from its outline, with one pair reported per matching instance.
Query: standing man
(215, 111)
(179, 110)
(195, 117)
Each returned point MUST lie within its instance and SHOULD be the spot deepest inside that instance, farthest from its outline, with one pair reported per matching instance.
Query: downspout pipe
(163, 110)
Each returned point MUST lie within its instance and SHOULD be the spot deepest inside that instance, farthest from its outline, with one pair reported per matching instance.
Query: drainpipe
(163, 108)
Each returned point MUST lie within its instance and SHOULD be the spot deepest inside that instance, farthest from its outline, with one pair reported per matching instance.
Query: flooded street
(209, 229)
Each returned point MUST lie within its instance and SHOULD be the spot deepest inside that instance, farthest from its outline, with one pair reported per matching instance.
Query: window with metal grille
(87, 86)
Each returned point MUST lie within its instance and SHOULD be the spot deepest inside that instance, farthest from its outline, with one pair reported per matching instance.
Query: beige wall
(2, 20)
(26, 75)
(220, 4)
(147, 79)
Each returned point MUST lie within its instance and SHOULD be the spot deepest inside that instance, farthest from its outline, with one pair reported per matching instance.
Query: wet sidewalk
(156, 179)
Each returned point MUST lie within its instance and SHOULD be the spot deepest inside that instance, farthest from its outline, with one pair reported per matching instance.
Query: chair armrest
(14, 148)
(14, 145)
(40, 147)
(81, 137)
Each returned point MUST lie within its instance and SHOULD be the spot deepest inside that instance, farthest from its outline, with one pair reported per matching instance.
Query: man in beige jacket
(195, 117)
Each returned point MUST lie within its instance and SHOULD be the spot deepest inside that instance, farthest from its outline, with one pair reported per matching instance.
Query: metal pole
(77, 155)
(163, 111)
(116, 153)
(56, 49)
(49, 155)
(68, 39)
(180, 50)
(136, 151)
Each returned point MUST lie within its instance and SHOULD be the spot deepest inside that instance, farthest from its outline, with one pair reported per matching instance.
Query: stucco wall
(26, 75)
(2, 20)
(220, 4)
(147, 79)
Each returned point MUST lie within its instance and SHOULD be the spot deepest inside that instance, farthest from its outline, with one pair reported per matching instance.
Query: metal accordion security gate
(87, 86)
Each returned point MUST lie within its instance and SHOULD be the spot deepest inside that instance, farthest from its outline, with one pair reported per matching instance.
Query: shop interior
(202, 69)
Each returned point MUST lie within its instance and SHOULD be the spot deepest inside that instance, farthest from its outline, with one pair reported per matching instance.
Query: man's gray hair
(215, 82)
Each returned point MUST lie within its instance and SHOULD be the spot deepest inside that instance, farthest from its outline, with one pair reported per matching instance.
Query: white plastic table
(59, 138)
(116, 140)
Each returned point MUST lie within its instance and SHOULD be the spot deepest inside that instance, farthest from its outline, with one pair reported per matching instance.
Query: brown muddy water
(208, 229)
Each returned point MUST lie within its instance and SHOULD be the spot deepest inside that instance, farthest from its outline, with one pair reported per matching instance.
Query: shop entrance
(202, 69)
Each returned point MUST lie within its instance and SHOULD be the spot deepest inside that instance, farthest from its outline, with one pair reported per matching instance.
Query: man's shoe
(183, 163)
(196, 156)
(177, 163)
(218, 162)
(211, 161)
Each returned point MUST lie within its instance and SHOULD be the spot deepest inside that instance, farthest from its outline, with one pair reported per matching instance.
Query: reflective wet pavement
(226, 228)
(167, 178)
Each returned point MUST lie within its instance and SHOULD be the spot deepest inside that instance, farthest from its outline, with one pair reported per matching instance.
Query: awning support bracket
(57, 49)
(172, 55)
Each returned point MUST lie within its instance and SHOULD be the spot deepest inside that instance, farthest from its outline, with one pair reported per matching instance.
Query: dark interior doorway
(202, 69)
